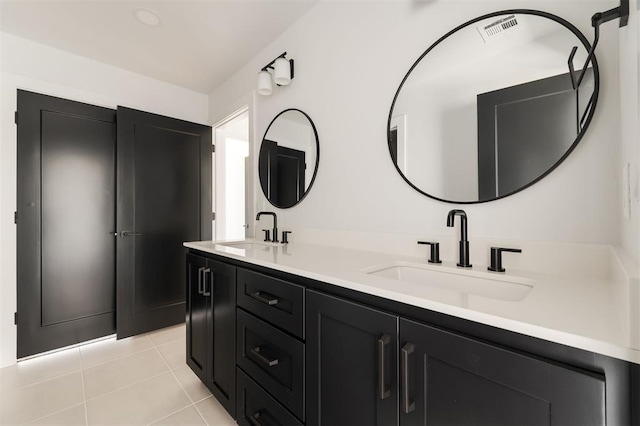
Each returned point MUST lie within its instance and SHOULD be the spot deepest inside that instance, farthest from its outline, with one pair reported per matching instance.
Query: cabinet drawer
(257, 407)
(273, 359)
(279, 302)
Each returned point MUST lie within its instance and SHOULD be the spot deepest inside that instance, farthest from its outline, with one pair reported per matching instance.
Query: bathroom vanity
(310, 334)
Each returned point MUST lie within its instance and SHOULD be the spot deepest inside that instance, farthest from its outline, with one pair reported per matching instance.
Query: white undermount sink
(248, 245)
(471, 282)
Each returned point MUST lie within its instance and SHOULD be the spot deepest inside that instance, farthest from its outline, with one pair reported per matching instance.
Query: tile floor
(136, 381)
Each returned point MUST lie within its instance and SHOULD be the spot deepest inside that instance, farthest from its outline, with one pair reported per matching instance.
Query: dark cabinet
(257, 407)
(307, 357)
(448, 379)
(211, 326)
(351, 363)
(196, 317)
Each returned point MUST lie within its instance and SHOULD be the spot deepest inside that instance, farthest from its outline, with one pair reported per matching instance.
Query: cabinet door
(196, 316)
(220, 288)
(448, 379)
(351, 363)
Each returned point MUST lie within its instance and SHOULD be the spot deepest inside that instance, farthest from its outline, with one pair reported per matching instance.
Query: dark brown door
(164, 199)
(65, 222)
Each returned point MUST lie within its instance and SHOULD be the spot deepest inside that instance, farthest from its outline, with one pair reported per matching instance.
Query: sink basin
(248, 245)
(469, 282)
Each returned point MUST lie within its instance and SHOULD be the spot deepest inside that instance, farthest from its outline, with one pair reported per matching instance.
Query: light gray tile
(188, 416)
(175, 353)
(72, 416)
(142, 403)
(35, 370)
(169, 334)
(191, 383)
(41, 399)
(108, 350)
(214, 413)
(112, 375)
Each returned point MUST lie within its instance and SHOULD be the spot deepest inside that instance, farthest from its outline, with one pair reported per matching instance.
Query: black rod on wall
(597, 19)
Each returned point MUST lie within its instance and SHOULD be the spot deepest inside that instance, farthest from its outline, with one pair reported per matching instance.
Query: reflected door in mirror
(512, 151)
(282, 173)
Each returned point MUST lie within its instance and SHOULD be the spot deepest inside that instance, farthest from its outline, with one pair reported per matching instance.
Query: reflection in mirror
(289, 156)
(489, 109)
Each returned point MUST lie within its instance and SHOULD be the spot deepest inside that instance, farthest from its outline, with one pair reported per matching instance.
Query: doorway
(232, 165)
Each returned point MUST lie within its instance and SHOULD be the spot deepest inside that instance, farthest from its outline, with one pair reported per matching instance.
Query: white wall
(35, 67)
(630, 118)
(350, 58)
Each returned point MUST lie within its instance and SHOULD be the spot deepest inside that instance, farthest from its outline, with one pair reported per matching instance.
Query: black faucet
(464, 242)
(275, 224)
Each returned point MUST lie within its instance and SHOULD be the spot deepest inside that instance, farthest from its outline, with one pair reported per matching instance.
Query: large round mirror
(289, 156)
(490, 108)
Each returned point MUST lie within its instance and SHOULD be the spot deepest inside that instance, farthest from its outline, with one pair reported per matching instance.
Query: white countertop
(586, 312)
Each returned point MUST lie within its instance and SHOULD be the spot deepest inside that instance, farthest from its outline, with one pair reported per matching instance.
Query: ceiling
(197, 45)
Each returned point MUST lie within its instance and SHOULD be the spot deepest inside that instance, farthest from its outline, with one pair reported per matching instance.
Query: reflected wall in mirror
(289, 157)
(489, 108)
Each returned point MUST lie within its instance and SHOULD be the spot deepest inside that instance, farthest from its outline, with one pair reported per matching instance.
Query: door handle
(258, 354)
(129, 234)
(383, 390)
(265, 298)
(204, 286)
(407, 405)
(200, 280)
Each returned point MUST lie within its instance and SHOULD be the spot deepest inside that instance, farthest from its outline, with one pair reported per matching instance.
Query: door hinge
(213, 148)
(15, 318)
(213, 215)
(15, 217)
(16, 117)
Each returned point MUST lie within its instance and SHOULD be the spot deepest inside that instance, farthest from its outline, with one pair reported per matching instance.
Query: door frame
(247, 105)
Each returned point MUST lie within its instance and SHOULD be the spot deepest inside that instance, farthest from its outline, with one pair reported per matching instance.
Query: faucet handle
(435, 251)
(496, 258)
(285, 234)
(267, 234)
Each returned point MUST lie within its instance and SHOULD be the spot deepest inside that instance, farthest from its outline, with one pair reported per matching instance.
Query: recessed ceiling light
(147, 17)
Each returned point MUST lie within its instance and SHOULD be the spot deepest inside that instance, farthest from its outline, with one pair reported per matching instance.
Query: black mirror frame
(596, 91)
(315, 170)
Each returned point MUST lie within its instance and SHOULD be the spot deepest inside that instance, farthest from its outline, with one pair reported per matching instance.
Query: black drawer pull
(407, 404)
(261, 418)
(265, 298)
(256, 352)
(383, 390)
(205, 281)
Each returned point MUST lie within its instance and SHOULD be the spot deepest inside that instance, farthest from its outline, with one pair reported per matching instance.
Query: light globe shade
(265, 87)
(282, 72)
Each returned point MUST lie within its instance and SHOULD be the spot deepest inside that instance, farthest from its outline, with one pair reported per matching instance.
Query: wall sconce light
(282, 74)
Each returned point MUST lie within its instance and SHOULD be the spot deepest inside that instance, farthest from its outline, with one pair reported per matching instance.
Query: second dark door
(164, 199)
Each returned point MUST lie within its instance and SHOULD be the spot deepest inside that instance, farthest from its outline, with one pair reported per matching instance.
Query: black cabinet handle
(383, 391)
(265, 298)
(258, 354)
(204, 279)
(256, 419)
(200, 280)
(407, 404)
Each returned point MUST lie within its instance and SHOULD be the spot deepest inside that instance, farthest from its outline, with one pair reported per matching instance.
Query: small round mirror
(489, 109)
(289, 156)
